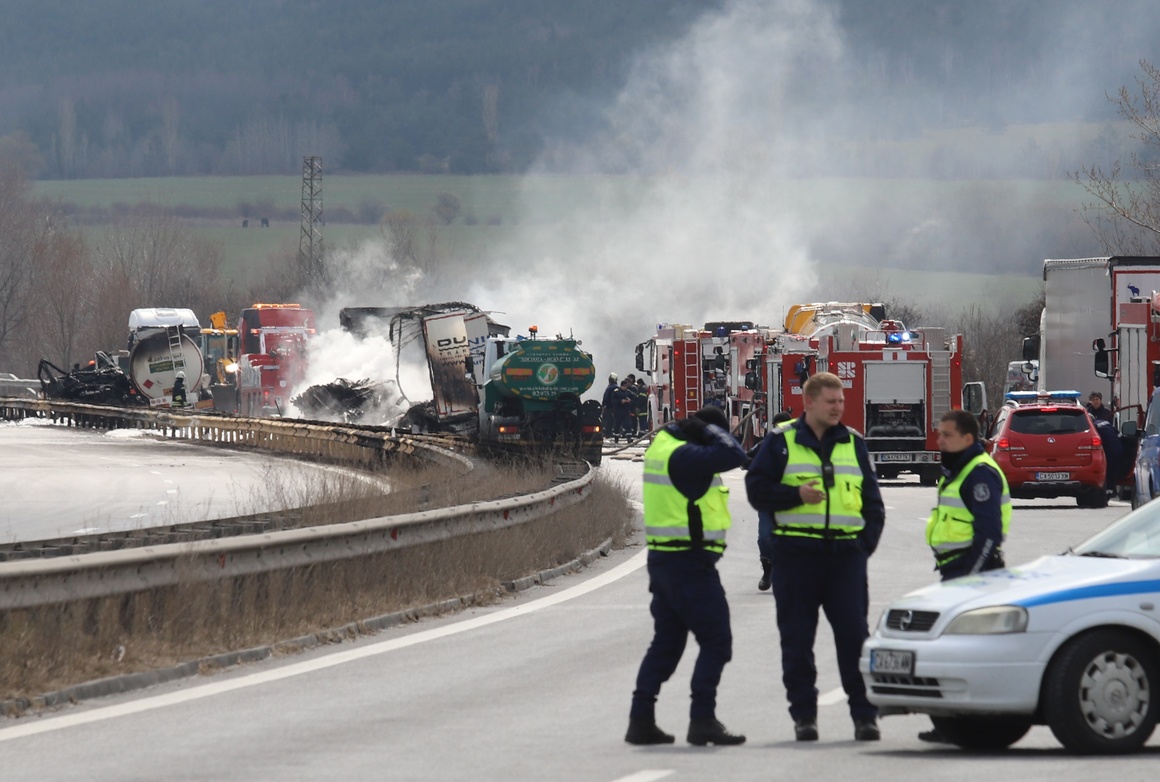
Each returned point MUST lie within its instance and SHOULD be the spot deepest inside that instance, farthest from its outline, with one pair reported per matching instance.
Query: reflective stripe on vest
(950, 530)
(671, 520)
(839, 515)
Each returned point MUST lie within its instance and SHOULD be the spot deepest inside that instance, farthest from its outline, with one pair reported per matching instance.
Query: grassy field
(502, 211)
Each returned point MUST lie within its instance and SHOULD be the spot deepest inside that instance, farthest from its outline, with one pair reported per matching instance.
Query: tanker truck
(531, 398)
(163, 346)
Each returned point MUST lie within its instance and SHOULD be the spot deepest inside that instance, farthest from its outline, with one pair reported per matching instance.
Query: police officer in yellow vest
(815, 477)
(967, 528)
(686, 516)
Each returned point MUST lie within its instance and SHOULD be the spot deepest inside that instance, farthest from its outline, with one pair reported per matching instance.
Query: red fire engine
(273, 356)
(714, 365)
(898, 382)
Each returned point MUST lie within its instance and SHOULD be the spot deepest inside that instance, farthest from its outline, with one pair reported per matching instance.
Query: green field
(512, 212)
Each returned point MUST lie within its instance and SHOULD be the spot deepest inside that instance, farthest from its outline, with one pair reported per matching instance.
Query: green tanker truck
(531, 398)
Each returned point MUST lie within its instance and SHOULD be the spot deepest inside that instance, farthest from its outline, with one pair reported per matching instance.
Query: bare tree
(62, 294)
(1125, 215)
(17, 226)
(152, 261)
(991, 341)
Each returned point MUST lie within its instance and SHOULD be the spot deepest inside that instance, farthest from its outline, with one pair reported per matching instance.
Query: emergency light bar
(1032, 397)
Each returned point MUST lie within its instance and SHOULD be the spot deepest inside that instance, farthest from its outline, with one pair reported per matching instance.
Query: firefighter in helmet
(179, 397)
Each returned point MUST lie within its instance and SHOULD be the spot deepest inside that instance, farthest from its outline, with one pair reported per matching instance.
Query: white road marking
(647, 775)
(298, 669)
(831, 698)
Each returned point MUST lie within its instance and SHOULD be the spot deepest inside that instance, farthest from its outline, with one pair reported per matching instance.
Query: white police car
(1070, 641)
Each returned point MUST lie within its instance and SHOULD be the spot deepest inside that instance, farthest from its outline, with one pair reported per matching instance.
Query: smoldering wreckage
(510, 393)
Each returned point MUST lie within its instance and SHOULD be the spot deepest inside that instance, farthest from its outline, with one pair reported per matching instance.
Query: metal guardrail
(26, 584)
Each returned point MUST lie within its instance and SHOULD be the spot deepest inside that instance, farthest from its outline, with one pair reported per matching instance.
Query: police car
(1069, 641)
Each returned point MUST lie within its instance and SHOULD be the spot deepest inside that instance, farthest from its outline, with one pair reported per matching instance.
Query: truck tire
(928, 476)
(1100, 693)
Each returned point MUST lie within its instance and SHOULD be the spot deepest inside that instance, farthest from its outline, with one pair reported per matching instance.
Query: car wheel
(1100, 693)
(982, 732)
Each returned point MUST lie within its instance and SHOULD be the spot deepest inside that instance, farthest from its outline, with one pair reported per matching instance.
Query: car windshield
(1060, 421)
(1135, 536)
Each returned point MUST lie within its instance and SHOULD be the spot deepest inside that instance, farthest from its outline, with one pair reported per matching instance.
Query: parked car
(1069, 641)
(1147, 467)
(1047, 446)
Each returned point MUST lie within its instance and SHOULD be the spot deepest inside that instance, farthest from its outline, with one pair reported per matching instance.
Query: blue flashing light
(894, 337)
(1032, 397)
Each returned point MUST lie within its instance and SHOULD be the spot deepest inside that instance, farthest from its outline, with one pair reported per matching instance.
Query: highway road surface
(537, 687)
(57, 481)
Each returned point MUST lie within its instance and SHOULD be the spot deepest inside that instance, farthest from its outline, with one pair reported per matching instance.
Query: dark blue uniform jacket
(767, 493)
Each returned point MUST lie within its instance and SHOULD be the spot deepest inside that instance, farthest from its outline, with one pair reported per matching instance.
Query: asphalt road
(57, 481)
(537, 688)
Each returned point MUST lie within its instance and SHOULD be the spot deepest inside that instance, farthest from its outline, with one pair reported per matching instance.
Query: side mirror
(1102, 365)
(640, 358)
(1031, 347)
(1129, 429)
(751, 381)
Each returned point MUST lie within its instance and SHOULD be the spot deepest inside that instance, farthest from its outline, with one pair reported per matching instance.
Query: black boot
(646, 732)
(707, 730)
(766, 567)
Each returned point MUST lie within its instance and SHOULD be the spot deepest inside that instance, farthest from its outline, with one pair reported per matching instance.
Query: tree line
(111, 89)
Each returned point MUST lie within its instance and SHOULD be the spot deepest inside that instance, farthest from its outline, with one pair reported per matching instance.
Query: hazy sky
(725, 122)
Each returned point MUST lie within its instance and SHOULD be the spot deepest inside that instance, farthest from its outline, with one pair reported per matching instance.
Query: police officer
(967, 528)
(686, 515)
(815, 475)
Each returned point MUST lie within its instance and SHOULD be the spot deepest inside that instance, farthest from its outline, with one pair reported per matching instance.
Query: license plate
(892, 457)
(891, 661)
(1052, 476)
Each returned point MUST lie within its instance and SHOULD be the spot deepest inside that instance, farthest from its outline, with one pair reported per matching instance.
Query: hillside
(171, 88)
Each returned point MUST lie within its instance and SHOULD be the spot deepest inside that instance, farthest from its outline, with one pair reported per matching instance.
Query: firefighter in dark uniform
(686, 516)
(640, 408)
(179, 396)
(967, 528)
(606, 405)
(815, 476)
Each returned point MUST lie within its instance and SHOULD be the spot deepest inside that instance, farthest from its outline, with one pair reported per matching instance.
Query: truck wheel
(983, 732)
(1099, 693)
(928, 476)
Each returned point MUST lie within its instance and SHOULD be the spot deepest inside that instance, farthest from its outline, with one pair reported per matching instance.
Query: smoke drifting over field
(722, 133)
(744, 148)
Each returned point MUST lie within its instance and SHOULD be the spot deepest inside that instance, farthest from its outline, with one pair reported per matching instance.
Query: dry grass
(47, 649)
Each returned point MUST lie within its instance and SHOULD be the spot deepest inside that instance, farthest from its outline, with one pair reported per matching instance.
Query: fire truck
(692, 367)
(898, 382)
(1106, 305)
(272, 340)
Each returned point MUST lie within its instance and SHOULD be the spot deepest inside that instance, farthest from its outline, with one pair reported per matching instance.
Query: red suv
(1047, 446)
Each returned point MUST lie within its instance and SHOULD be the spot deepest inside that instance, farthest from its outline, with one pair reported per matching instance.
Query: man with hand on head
(686, 516)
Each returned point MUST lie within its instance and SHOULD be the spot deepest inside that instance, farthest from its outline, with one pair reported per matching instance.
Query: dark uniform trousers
(833, 580)
(687, 596)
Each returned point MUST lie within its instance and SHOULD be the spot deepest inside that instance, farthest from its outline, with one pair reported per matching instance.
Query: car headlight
(989, 621)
